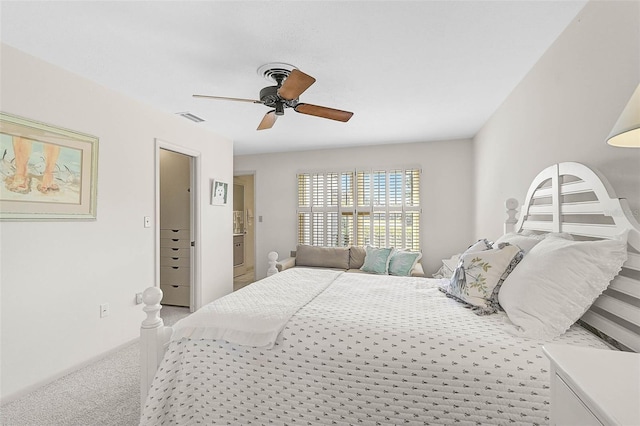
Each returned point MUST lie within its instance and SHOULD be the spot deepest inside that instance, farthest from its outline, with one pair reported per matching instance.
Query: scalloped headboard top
(573, 198)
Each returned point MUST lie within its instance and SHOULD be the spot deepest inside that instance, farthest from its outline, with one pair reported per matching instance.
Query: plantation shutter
(379, 207)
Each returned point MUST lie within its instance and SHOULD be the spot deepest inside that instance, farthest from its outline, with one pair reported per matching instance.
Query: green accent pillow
(402, 262)
(376, 261)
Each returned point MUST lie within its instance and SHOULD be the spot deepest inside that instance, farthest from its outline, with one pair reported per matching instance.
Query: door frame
(254, 174)
(195, 199)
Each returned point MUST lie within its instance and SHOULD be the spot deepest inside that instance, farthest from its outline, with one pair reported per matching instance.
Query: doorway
(243, 230)
(176, 230)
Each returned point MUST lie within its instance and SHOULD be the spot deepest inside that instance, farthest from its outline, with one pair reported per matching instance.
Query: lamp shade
(626, 132)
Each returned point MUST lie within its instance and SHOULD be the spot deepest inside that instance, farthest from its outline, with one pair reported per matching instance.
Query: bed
(377, 349)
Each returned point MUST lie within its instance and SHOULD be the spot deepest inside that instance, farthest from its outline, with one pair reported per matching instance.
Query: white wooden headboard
(573, 198)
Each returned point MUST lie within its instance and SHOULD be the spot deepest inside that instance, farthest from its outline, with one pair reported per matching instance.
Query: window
(376, 207)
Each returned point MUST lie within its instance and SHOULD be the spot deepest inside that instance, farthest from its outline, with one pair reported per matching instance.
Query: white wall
(562, 111)
(447, 195)
(56, 274)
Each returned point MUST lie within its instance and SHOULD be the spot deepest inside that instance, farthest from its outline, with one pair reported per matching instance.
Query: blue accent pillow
(402, 262)
(376, 260)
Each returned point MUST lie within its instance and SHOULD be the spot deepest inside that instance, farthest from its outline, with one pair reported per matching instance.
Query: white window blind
(376, 207)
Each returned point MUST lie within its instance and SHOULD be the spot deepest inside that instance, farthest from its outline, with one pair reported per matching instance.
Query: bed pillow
(525, 242)
(477, 279)
(542, 236)
(564, 235)
(557, 282)
(402, 262)
(325, 257)
(479, 245)
(448, 267)
(376, 260)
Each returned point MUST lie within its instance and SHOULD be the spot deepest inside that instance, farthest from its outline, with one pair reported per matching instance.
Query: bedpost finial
(511, 205)
(273, 258)
(151, 298)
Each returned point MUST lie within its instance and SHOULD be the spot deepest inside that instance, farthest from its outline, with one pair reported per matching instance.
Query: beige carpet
(106, 393)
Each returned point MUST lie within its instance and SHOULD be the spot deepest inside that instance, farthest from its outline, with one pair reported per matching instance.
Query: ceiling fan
(290, 84)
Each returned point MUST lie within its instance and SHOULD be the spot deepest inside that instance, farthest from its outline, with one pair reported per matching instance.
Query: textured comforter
(367, 350)
(256, 316)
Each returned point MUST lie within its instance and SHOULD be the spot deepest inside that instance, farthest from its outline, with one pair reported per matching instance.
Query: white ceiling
(410, 71)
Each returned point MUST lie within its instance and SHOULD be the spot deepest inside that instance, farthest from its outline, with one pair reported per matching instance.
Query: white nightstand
(593, 386)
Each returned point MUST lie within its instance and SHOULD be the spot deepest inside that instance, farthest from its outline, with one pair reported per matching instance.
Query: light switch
(260, 219)
(147, 222)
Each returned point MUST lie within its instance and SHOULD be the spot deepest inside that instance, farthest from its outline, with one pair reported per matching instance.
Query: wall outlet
(104, 310)
(138, 298)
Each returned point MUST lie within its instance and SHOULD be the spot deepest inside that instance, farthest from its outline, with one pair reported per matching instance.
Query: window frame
(358, 217)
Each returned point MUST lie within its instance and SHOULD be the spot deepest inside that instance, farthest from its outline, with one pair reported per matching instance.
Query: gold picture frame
(46, 172)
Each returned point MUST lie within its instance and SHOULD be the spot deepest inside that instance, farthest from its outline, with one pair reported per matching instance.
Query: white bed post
(153, 339)
(273, 258)
(512, 208)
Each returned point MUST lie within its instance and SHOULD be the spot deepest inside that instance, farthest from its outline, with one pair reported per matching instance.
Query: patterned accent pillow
(480, 245)
(376, 261)
(479, 275)
(525, 242)
(402, 262)
(449, 265)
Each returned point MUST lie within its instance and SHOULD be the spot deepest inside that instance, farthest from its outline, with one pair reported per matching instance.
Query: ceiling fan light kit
(290, 84)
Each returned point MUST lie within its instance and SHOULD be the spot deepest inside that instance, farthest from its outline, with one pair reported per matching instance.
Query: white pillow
(448, 266)
(542, 236)
(557, 281)
(525, 242)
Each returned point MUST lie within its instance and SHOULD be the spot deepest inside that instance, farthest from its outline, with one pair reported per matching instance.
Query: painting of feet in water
(46, 172)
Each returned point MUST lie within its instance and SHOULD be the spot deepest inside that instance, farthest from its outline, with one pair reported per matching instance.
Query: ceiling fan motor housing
(269, 96)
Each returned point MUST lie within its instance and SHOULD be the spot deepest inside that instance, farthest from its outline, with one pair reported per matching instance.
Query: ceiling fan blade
(268, 120)
(296, 83)
(223, 98)
(324, 112)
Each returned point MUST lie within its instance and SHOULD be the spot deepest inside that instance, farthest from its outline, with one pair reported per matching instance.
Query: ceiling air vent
(191, 117)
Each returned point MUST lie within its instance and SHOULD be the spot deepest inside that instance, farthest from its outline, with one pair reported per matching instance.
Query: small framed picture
(219, 193)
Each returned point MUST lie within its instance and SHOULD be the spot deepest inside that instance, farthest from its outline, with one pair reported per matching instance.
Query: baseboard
(24, 392)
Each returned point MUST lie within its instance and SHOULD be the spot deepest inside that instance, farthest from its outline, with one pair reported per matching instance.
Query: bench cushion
(356, 257)
(327, 257)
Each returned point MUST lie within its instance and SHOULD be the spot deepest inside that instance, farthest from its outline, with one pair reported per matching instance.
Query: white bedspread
(368, 350)
(255, 316)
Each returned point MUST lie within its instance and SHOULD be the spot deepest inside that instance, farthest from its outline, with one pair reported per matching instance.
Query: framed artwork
(219, 193)
(47, 172)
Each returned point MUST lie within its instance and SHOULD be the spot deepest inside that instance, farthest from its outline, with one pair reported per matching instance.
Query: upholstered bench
(349, 259)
